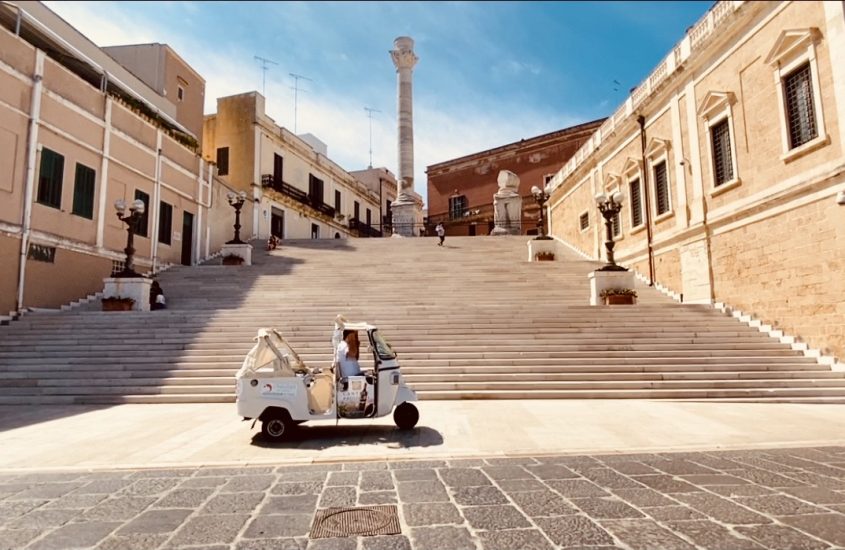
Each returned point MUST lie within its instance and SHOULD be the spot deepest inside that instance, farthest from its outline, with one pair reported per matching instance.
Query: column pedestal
(405, 215)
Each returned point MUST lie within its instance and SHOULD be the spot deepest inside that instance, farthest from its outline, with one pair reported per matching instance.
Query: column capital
(403, 53)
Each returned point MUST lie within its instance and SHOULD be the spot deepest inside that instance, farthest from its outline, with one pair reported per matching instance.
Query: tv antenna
(370, 116)
(264, 68)
(296, 88)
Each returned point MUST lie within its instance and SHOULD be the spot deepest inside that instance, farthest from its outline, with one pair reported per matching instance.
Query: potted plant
(544, 256)
(619, 296)
(117, 303)
(232, 259)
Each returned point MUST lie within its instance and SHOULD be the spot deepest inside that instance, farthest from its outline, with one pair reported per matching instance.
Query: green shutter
(83, 192)
(50, 178)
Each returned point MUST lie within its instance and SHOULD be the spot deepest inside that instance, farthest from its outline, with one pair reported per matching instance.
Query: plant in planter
(232, 259)
(544, 256)
(619, 296)
(117, 303)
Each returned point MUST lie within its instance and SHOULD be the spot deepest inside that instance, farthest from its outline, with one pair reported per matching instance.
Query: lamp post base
(135, 288)
(241, 250)
(612, 267)
(602, 280)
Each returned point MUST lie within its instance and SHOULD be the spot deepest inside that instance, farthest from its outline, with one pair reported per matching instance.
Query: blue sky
(490, 73)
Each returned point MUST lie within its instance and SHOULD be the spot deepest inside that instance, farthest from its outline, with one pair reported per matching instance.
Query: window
(83, 192)
(315, 189)
(457, 207)
(278, 167)
(180, 93)
(584, 221)
(661, 188)
(720, 138)
(357, 208)
(547, 178)
(800, 110)
(165, 223)
(616, 224)
(40, 253)
(337, 201)
(50, 178)
(796, 70)
(143, 224)
(636, 203)
(369, 217)
(223, 161)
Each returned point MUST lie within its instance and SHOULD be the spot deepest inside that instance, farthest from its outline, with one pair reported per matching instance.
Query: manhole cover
(363, 521)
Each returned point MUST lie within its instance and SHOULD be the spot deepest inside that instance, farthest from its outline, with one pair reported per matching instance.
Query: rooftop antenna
(264, 68)
(296, 88)
(370, 116)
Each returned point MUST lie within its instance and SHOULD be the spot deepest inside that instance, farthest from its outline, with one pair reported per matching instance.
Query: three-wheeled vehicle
(276, 387)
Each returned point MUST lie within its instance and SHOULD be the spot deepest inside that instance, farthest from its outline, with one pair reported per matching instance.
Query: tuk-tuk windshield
(383, 349)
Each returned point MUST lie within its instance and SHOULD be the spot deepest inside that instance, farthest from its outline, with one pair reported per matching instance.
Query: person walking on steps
(441, 232)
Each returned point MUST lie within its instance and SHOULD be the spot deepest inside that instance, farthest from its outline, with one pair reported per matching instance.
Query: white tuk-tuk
(275, 386)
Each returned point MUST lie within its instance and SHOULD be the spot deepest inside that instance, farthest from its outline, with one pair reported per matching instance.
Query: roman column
(407, 207)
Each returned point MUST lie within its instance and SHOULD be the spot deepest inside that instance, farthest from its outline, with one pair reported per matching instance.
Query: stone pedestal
(507, 205)
(537, 246)
(404, 217)
(600, 280)
(137, 288)
(241, 250)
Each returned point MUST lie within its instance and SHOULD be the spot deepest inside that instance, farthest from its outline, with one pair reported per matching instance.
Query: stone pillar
(507, 205)
(405, 208)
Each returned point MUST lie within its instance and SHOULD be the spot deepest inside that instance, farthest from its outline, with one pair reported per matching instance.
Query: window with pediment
(796, 74)
(717, 111)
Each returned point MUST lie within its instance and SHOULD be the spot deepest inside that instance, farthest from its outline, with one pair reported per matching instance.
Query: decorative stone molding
(792, 43)
(714, 104)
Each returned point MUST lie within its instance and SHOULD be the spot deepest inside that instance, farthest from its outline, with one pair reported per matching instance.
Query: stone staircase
(472, 320)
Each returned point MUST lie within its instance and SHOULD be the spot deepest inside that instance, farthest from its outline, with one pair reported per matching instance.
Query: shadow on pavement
(18, 416)
(324, 437)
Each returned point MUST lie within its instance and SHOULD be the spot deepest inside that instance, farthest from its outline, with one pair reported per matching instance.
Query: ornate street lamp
(237, 201)
(610, 207)
(136, 212)
(541, 196)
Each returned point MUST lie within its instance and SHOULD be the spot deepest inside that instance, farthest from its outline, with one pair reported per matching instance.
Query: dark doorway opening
(187, 238)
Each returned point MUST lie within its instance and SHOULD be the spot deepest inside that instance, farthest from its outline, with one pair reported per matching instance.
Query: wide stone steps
(474, 321)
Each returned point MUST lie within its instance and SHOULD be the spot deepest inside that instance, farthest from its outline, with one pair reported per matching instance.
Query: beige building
(77, 132)
(731, 158)
(382, 182)
(295, 190)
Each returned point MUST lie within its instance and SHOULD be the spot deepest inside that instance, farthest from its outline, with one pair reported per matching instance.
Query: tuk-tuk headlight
(253, 382)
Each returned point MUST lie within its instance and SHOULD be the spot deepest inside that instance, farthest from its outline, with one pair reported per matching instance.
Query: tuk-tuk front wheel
(277, 426)
(406, 416)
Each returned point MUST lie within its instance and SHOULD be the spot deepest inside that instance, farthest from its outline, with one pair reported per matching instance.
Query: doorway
(187, 238)
(315, 231)
(277, 223)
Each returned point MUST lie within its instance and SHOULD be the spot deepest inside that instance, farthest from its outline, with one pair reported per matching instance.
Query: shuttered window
(661, 188)
(83, 192)
(723, 170)
(143, 224)
(584, 221)
(165, 223)
(223, 161)
(636, 203)
(457, 207)
(800, 109)
(337, 201)
(50, 178)
(315, 189)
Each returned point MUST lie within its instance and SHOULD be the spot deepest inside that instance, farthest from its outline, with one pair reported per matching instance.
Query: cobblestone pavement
(780, 498)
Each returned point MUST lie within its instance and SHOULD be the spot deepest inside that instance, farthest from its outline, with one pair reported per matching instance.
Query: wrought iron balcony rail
(268, 180)
(363, 229)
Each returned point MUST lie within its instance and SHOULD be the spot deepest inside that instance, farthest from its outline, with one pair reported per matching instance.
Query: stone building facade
(460, 191)
(296, 191)
(731, 158)
(77, 132)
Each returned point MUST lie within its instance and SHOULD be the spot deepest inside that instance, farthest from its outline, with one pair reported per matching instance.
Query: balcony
(276, 184)
(362, 229)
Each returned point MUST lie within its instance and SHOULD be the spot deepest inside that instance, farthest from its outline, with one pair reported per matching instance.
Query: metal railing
(363, 229)
(268, 180)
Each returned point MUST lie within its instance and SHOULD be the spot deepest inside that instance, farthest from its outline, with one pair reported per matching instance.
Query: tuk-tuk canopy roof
(341, 323)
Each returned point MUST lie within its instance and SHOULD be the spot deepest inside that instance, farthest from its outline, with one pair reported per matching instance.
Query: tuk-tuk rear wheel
(277, 427)
(406, 416)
